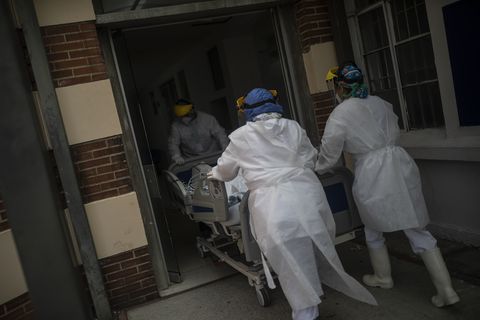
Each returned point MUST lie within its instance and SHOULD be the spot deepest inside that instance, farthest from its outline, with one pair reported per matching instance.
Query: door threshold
(195, 278)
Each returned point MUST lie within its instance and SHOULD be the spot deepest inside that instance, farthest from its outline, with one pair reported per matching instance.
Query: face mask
(186, 120)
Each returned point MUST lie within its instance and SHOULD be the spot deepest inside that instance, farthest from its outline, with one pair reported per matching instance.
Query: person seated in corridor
(194, 133)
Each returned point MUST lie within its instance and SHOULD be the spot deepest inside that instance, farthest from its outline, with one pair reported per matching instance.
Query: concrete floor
(233, 299)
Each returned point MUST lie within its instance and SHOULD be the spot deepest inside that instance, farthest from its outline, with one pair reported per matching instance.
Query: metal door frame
(292, 68)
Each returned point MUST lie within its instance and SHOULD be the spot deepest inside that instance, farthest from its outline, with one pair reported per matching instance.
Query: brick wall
(74, 53)
(102, 168)
(322, 106)
(313, 22)
(3, 217)
(129, 278)
(19, 308)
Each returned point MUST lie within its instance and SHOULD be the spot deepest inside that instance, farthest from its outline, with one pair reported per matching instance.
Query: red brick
(146, 266)
(82, 156)
(321, 9)
(93, 163)
(54, 39)
(57, 56)
(143, 292)
(115, 184)
(71, 63)
(18, 301)
(101, 196)
(148, 282)
(141, 251)
(88, 26)
(107, 152)
(85, 53)
(115, 284)
(122, 274)
(69, 46)
(118, 300)
(68, 28)
(14, 315)
(111, 268)
(313, 18)
(90, 146)
(4, 226)
(115, 141)
(28, 307)
(87, 173)
(135, 262)
(112, 167)
(118, 158)
(89, 70)
(327, 38)
(95, 60)
(116, 258)
(122, 174)
(81, 36)
(73, 81)
(305, 11)
(92, 43)
(62, 74)
(2, 309)
(98, 77)
(307, 26)
(91, 189)
(137, 278)
(125, 190)
(98, 179)
(127, 289)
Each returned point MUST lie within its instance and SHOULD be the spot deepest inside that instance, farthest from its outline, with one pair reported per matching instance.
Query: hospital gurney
(207, 201)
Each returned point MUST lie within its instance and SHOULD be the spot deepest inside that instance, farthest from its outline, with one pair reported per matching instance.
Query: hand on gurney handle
(210, 175)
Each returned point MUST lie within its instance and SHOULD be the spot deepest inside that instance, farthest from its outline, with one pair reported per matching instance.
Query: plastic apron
(290, 215)
(387, 186)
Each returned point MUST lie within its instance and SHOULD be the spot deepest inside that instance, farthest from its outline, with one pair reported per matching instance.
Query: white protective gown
(387, 186)
(290, 215)
(203, 135)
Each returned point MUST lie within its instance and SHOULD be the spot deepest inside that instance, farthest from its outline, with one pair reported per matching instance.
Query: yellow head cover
(182, 109)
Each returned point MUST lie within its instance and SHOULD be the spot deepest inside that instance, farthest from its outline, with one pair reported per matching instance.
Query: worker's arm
(174, 146)
(332, 145)
(227, 166)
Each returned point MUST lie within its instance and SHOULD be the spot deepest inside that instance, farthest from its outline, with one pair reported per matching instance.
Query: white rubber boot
(382, 277)
(441, 278)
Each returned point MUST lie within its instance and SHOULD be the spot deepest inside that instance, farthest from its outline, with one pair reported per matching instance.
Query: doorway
(210, 62)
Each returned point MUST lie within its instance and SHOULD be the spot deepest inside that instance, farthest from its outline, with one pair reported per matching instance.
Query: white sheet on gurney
(235, 190)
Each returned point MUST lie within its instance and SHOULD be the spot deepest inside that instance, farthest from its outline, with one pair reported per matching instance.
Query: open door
(149, 169)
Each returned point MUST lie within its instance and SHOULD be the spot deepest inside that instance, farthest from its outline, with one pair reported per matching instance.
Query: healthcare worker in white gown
(387, 186)
(290, 215)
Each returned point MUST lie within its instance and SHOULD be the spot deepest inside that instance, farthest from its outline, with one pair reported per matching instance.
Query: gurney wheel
(263, 296)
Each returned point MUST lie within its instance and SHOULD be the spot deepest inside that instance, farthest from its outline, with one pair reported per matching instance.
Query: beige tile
(53, 12)
(318, 61)
(12, 280)
(89, 111)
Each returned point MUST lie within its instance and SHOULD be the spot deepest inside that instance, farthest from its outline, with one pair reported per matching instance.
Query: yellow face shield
(331, 74)
(181, 110)
(240, 102)
(330, 77)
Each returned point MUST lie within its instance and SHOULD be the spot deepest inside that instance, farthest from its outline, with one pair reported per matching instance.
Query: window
(397, 53)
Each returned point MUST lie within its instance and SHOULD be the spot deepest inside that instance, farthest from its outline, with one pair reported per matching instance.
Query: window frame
(452, 135)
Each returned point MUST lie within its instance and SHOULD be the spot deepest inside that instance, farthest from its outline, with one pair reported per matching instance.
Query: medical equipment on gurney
(207, 201)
